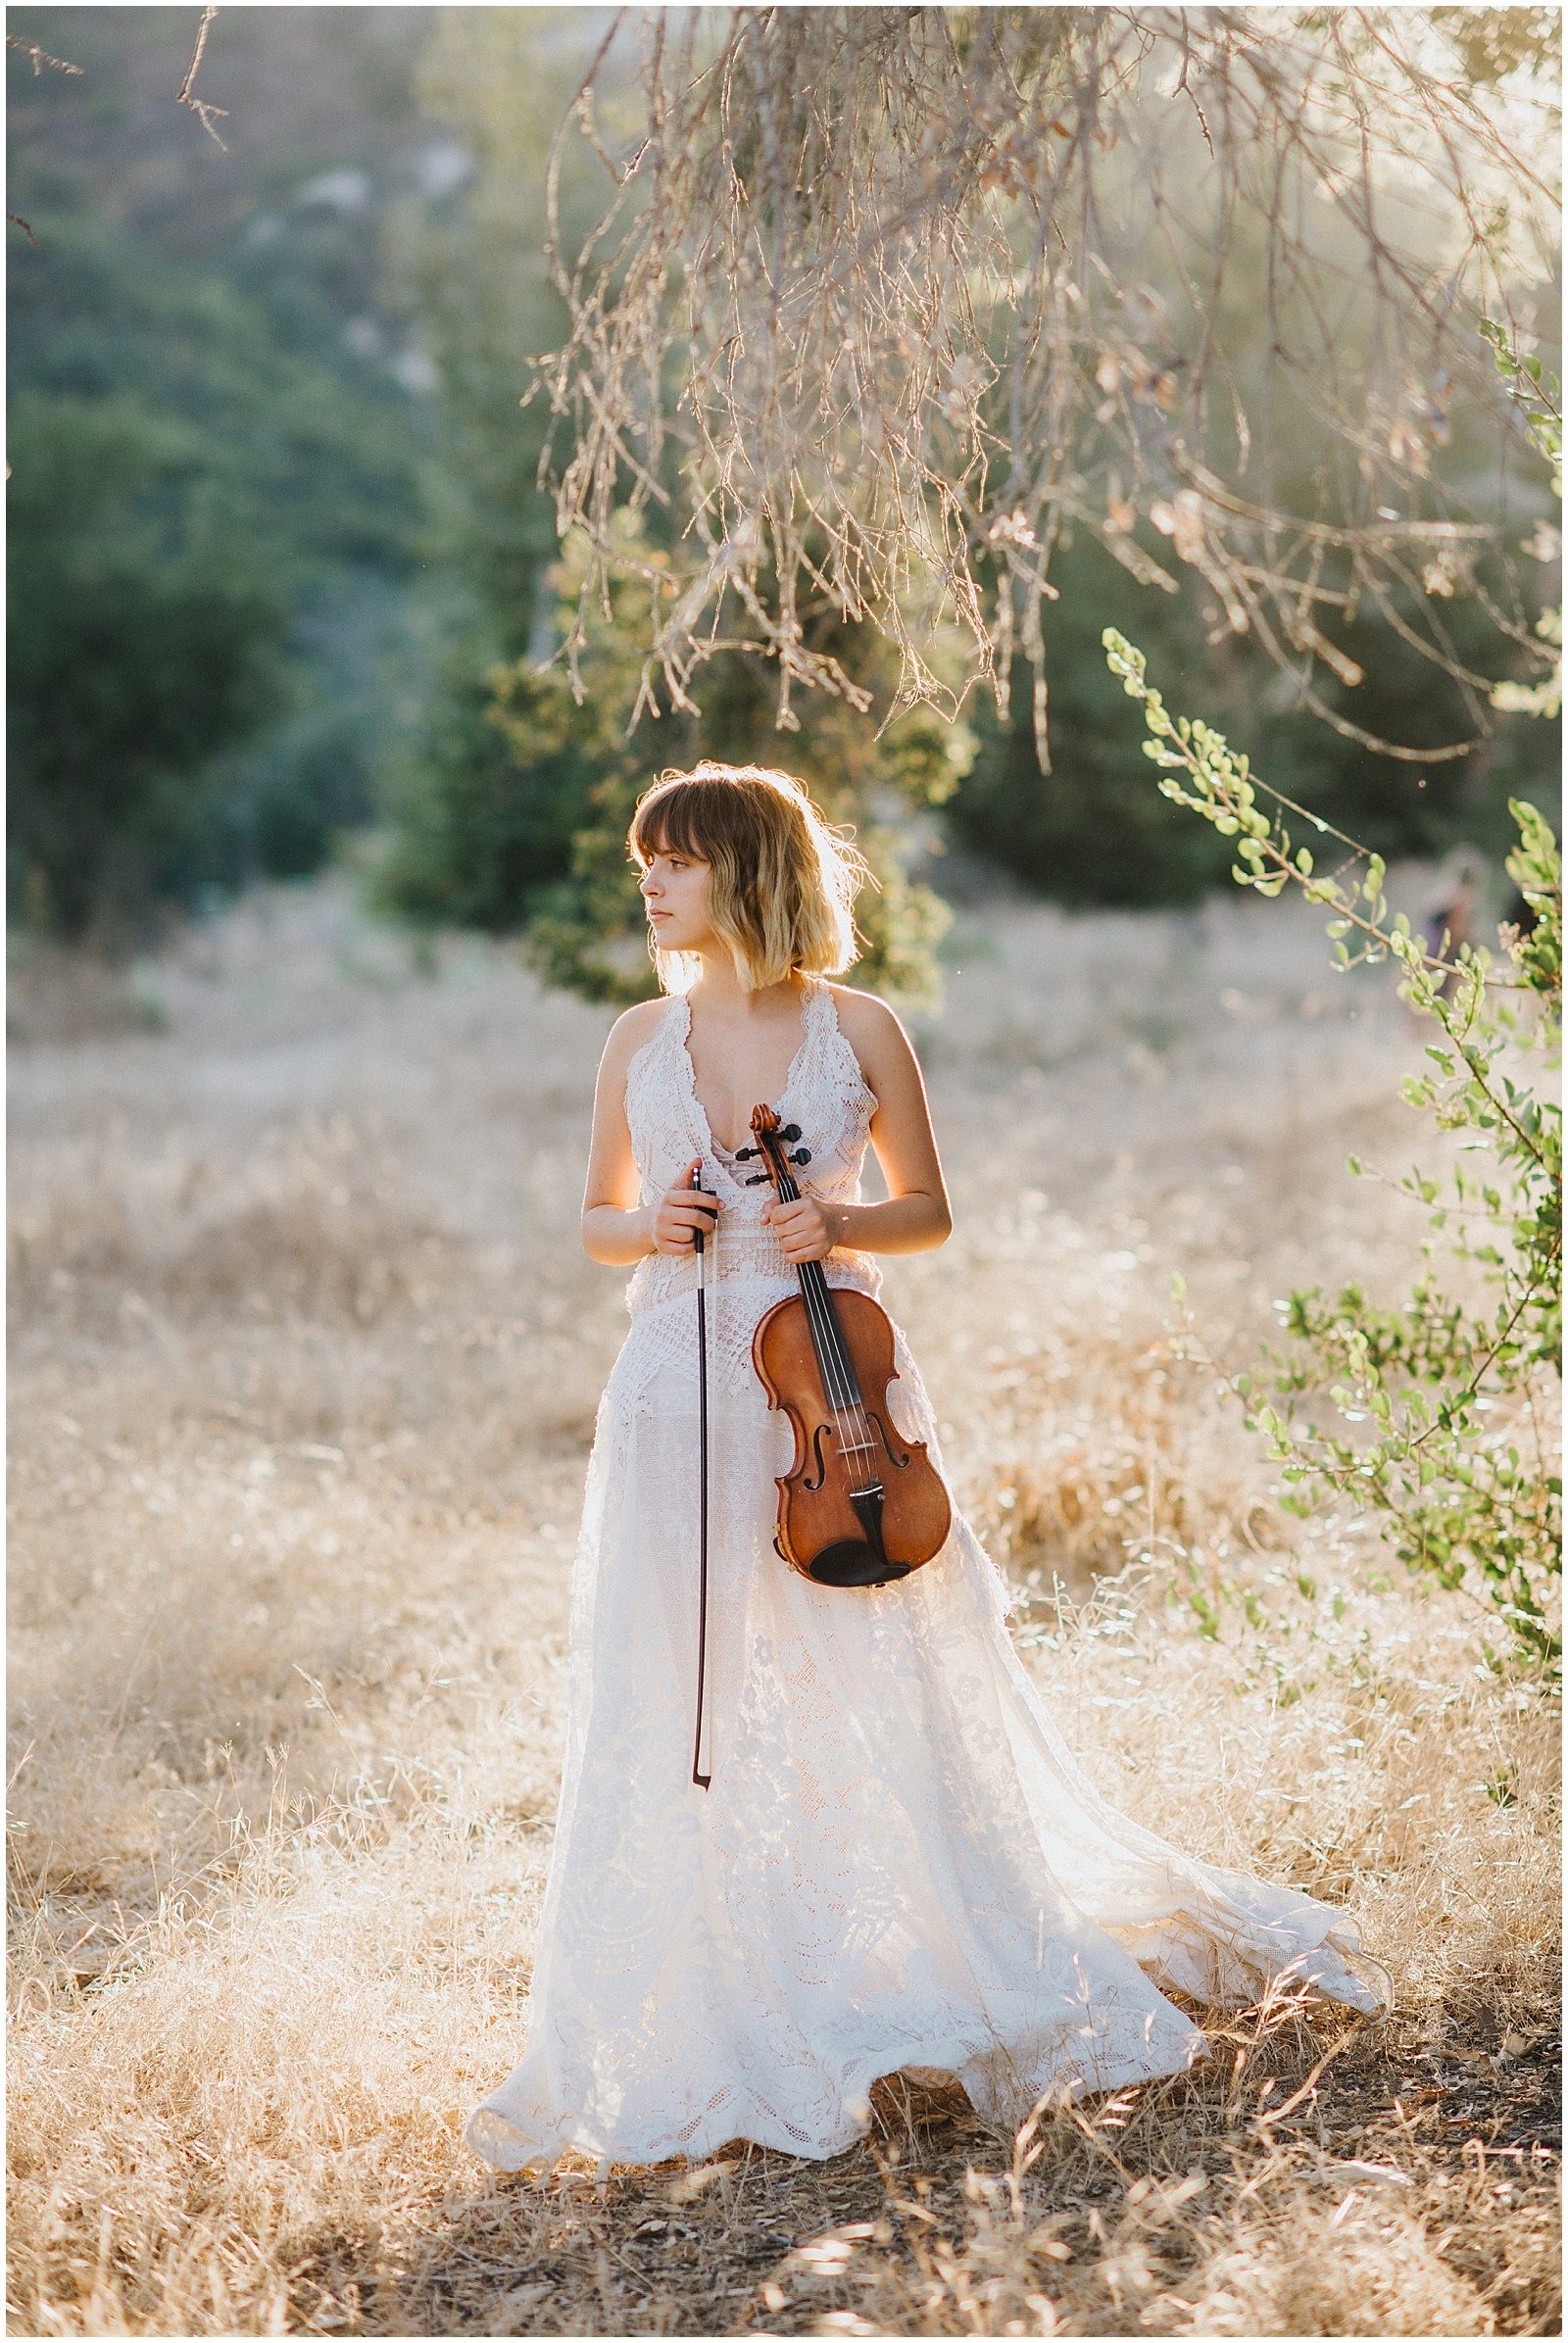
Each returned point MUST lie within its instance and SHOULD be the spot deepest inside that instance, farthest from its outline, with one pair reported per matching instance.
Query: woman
(898, 1862)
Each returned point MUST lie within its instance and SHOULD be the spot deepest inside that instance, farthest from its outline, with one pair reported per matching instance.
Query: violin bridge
(845, 1432)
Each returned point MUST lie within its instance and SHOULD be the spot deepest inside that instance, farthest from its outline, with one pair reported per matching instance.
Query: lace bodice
(824, 1092)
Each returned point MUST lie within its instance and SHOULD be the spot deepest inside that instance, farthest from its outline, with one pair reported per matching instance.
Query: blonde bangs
(783, 883)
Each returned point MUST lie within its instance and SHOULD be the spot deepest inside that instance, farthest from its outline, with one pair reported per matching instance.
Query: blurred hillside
(218, 437)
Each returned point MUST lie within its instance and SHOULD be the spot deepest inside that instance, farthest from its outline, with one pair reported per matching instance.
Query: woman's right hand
(680, 1211)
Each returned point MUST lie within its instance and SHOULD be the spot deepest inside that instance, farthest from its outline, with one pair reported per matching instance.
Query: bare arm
(617, 1229)
(917, 1216)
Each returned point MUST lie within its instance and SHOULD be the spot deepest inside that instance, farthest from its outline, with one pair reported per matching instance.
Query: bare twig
(205, 114)
(881, 298)
(39, 57)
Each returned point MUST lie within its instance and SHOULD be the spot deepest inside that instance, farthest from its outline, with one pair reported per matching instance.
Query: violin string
(837, 1367)
(847, 1400)
(869, 1470)
(820, 1320)
(850, 1400)
(820, 1313)
(830, 1356)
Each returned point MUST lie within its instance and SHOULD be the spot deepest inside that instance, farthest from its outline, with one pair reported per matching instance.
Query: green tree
(144, 637)
(478, 839)
(503, 83)
(208, 326)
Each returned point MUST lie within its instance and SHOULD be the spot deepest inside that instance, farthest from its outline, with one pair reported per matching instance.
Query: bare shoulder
(864, 1014)
(874, 1032)
(635, 1025)
(631, 1029)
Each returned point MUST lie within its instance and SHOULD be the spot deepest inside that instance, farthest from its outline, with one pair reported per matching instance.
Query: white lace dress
(899, 1861)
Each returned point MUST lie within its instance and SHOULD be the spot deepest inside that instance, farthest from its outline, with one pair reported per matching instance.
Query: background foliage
(881, 303)
(216, 451)
(1471, 1480)
(1449, 1410)
(289, 571)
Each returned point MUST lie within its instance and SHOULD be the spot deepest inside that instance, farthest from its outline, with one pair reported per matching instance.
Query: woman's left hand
(807, 1229)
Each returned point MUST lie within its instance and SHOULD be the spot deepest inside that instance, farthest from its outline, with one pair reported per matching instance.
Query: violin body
(820, 1532)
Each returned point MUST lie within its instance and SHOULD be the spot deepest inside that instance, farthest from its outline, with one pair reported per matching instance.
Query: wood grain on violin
(861, 1506)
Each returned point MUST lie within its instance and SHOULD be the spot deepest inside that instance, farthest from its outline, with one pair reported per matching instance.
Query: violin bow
(701, 1779)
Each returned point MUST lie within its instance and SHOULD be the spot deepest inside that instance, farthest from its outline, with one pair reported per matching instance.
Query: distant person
(1452, 914)
(901, 1861)
(1519, 912)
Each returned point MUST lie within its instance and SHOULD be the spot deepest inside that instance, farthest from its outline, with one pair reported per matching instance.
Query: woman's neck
(720, 991)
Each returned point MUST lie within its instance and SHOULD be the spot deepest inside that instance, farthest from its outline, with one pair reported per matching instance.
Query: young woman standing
(899, 1861)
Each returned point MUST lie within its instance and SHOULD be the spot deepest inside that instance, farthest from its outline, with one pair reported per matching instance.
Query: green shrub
(1456, 1444)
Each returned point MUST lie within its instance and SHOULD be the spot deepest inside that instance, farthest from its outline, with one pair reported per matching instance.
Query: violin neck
(840, 1382)
(839, 1379)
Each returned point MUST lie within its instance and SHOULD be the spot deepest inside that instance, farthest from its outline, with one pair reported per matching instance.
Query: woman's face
(674, 893)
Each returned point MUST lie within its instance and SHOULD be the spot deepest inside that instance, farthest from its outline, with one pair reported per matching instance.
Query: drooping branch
(885, 299)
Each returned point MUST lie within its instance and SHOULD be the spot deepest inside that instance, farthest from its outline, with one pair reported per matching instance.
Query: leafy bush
(145, 639)
(1458, 1454)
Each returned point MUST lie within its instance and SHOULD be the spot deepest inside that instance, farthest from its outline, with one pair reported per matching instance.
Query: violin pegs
(791, 1131)
(757, 1180)
(802, 1155)
(744, 1154)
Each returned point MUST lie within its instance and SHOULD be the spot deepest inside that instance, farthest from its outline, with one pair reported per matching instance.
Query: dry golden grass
(304, 1363)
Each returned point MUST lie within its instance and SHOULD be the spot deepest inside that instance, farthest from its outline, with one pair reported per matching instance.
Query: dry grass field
(304, 1360)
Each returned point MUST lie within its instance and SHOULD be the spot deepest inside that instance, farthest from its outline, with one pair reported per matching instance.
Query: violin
(860, 1505)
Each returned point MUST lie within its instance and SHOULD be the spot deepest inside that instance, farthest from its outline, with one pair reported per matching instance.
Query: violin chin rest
(854, 1563)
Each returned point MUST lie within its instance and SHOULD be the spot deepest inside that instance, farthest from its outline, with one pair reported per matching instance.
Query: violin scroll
(791, 1131)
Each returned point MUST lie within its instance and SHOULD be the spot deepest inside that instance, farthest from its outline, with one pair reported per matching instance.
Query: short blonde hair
(783, 880)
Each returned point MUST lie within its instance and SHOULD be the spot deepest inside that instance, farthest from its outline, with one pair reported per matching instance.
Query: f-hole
(889, 1451)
